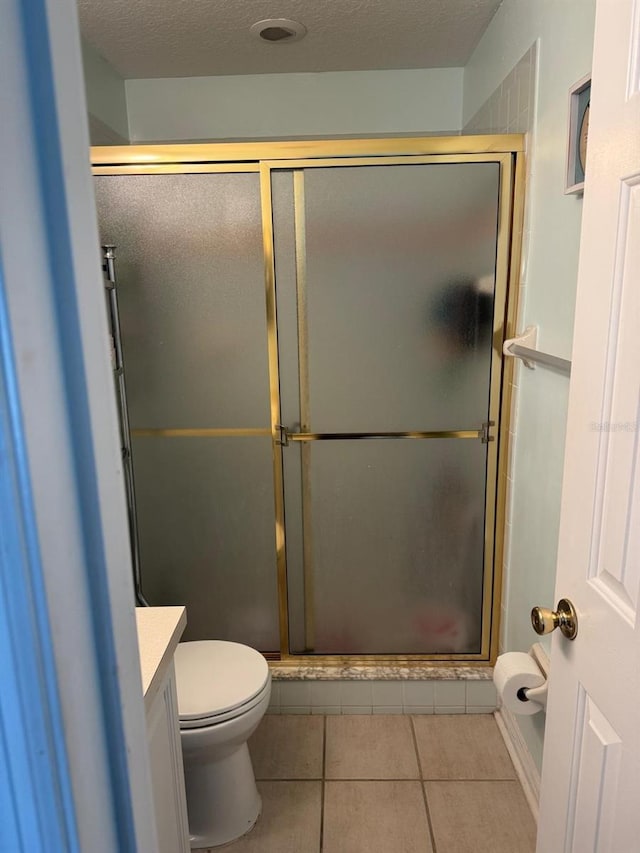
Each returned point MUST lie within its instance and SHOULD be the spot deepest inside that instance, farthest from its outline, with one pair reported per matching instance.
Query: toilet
(223, 692)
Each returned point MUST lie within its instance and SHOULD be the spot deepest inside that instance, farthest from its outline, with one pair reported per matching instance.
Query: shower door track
(266, 157)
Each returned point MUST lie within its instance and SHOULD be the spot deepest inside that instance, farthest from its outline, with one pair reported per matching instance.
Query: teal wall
(562, 31)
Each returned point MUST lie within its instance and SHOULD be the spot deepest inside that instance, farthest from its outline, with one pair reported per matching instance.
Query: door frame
(265, 157)
(75, 771)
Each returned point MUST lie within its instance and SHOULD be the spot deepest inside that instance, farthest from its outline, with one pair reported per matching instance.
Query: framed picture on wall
(579, 103)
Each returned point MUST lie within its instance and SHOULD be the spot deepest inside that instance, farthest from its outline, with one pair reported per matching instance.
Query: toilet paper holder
(538, 694)
(534, 694)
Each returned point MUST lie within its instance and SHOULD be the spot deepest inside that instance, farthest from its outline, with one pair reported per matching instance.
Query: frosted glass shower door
(386, 302)
(191, 291)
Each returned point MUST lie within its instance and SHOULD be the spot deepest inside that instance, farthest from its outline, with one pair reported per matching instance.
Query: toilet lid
(215, 676)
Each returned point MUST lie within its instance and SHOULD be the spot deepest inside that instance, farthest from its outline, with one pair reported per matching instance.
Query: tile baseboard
(347, 696)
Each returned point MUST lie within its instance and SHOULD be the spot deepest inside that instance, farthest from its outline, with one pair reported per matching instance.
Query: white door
(591, 770)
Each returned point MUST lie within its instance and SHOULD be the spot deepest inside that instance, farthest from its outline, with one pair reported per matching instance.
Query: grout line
(289, 779)
(492, 779)
(422, 786)
(324, 768)
(400, 779)
(387, 779)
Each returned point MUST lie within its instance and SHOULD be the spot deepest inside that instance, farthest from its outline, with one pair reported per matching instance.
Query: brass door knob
(545, 621)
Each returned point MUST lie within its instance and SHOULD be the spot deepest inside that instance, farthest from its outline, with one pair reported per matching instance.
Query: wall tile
(507, 540)
(503, 616)
(416, 693)
(449, 693)
(503, 109)
(383, 697)
(356, 693)
(517, 373)
(325, 693)
(481, 693)
(386, 693)
(523, 76)
(295, 693)
(503, 612)
(274, 701)
(510, 107)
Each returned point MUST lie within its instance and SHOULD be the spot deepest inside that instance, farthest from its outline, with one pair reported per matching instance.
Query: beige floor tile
(288, 747)
(370, 747)
(289, 823)
(375, 817)
(480, 817)
(462, 747)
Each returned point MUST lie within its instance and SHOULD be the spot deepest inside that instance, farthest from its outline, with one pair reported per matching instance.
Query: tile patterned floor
(386, 784)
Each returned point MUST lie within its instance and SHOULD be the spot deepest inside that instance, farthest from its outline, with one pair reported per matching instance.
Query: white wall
(563, 30)
(106, 99)
(293, 105)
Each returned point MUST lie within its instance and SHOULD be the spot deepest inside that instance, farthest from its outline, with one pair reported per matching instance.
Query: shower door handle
(282, 437)
(285, 437)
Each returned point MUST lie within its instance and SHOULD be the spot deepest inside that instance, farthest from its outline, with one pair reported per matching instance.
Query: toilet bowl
(223, 692)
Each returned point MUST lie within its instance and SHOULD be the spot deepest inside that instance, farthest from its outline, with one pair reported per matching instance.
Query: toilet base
(223, 802)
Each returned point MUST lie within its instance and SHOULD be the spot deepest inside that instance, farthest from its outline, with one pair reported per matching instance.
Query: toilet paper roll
(515, 671)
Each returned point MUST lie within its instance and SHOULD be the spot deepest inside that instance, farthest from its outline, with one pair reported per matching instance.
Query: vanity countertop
(159, 631)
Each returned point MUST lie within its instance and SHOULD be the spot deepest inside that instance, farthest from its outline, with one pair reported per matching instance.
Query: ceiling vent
(278, 30)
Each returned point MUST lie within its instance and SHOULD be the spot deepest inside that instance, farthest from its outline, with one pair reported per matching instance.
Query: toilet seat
(214, 719)
(217, 680)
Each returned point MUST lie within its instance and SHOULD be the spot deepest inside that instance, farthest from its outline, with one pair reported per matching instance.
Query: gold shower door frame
(265, 158)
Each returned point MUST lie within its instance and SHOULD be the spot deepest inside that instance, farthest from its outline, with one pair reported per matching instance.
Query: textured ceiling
(184, 38)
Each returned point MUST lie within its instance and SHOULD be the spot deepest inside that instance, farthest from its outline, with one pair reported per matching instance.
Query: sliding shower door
(313, 364)
(191, 291)
(385, 278)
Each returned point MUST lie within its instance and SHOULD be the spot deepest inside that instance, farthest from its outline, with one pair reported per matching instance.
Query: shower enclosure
(312, 336)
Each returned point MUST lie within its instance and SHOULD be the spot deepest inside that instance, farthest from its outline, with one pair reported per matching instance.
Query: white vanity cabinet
(159, 630)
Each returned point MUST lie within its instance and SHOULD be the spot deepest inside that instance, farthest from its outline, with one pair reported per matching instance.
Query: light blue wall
(563, 30)
(294, 105)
